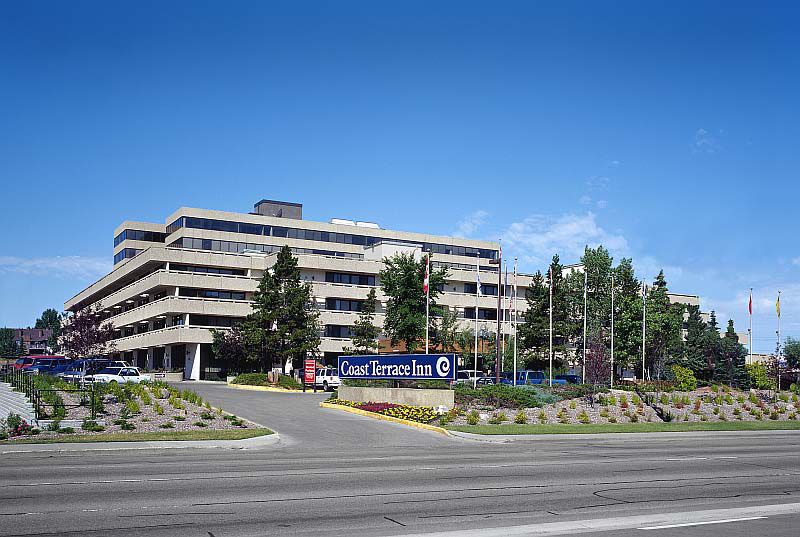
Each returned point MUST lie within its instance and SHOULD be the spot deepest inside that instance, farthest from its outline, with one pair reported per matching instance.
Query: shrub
(703, 418)
(759, 378)
(132, 406)
(159, 409)
(54, 426)
(583, 417)
(503, 396)
(179, 418)
(520, 418)
(66, 430)
(685, 380)
(92, 426)
(542, 416)
(603, 412)
(664, 400)
(498, 418)
(473, 418)
(252, 379)
(633, 417)
(127, 426)
(784, 398)
(167, 425)
(572, 405)
(774, 415)
(289, 383)
(612, 419)
(207, 416)
(200, 424)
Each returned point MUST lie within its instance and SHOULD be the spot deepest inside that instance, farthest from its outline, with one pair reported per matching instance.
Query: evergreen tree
(401, 281)
(711, 348)
(533, 329)
(465, 340)
(365, 333)
(693, 349)
(730, 368)
(664, 322)
(791, 351)
(284, 324)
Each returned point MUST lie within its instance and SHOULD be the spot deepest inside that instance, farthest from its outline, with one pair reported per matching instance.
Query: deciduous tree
(84, 334)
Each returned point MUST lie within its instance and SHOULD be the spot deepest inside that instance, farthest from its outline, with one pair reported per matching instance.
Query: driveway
(299, 419)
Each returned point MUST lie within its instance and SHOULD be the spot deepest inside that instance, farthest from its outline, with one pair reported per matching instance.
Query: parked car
(86, 368)
(527, 376)
(468, 376)
(46, 365)
(571, 379)
(486, 381)
(120, 375)
(327, 378)
(23, 363)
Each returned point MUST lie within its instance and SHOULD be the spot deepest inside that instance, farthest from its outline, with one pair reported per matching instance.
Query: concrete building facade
(172, 283)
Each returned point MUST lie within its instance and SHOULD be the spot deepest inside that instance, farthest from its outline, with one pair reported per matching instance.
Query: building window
(213, 320)
(125, 254)
(352, 279)
(484, 314)
(335, 330)
(210, 293)
(341, 304)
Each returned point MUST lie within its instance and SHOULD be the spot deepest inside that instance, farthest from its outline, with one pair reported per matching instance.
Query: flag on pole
(478, 281)
(750, 304)
(513, 294)
(425, 284)
(778, 305)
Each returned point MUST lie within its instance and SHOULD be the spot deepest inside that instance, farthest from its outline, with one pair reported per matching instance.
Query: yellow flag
(778, 305)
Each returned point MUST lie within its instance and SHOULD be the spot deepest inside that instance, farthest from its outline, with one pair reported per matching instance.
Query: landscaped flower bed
(141, 408)
(704, 405)
(421, 414)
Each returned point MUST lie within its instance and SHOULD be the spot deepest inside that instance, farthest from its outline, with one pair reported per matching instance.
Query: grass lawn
(227, 434)
(594, 428)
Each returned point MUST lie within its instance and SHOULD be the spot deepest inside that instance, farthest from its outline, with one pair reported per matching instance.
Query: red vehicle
(25, 362)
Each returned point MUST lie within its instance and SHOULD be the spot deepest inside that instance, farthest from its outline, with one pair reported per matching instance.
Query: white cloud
(585, 200)
(597, 182)
(705, 142)
(538, 237)
(796, 261)
(614, 163)
(471, 223)
(601, 204)
(59, 267)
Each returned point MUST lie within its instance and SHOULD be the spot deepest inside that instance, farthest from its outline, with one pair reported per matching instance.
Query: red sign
(310, 371)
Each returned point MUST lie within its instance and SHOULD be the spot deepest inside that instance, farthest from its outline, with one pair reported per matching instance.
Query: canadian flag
(427, 274)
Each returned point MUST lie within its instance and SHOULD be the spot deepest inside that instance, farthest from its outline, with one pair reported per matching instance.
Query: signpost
(309, 373)
(398, 367)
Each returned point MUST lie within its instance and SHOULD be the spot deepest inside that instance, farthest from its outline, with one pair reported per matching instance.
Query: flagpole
(750, 309)
(612, 330)
(427, 301)
(644, 325)
(551, 326)
(503, 316)
(514, 320)
(778, 309)
(477, 294)
(585, 311)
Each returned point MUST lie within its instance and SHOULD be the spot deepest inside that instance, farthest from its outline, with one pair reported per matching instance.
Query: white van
(327, 378)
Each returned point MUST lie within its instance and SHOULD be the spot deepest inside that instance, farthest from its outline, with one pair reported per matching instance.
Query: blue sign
(398, 367)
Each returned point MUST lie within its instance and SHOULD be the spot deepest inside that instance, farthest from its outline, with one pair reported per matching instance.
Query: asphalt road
(340, 474)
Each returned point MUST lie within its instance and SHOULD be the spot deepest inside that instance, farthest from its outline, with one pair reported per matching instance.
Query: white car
(120, 375)
(327, 378)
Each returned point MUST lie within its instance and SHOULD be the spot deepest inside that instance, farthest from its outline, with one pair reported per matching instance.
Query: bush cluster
(501, 395)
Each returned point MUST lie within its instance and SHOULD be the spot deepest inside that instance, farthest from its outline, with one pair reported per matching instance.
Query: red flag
(750, 305)
(427, 274)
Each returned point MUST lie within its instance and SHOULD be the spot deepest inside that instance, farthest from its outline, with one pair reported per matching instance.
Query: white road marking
(687, 524)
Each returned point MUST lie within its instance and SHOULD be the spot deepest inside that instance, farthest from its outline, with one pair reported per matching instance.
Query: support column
(150, 359)
(192, 369)
(167, 358)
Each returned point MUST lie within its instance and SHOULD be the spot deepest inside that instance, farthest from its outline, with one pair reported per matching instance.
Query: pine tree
(365, 333)
(711, 348)
(533, 330)
(664, 322)
(284, 324)
(730, 368)
(401, 281)
(693, 349)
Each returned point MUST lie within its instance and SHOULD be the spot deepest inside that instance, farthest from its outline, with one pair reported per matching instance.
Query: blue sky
(669, 133)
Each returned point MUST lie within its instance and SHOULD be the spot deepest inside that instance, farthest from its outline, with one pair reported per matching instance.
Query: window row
(125, 253)
(242, 247)
(335, 330)
(341, 304)
(213, 320)
(352, 279)
(207, 270)
(487, 289)
(320, 236)
(210, 293)
(139, 235)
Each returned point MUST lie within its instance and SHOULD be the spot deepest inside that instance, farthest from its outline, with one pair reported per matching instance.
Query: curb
(255, 442)
(381, 417)
(271, 389)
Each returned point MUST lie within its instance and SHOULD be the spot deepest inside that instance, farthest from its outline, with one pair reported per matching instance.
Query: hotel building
(172, 283)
